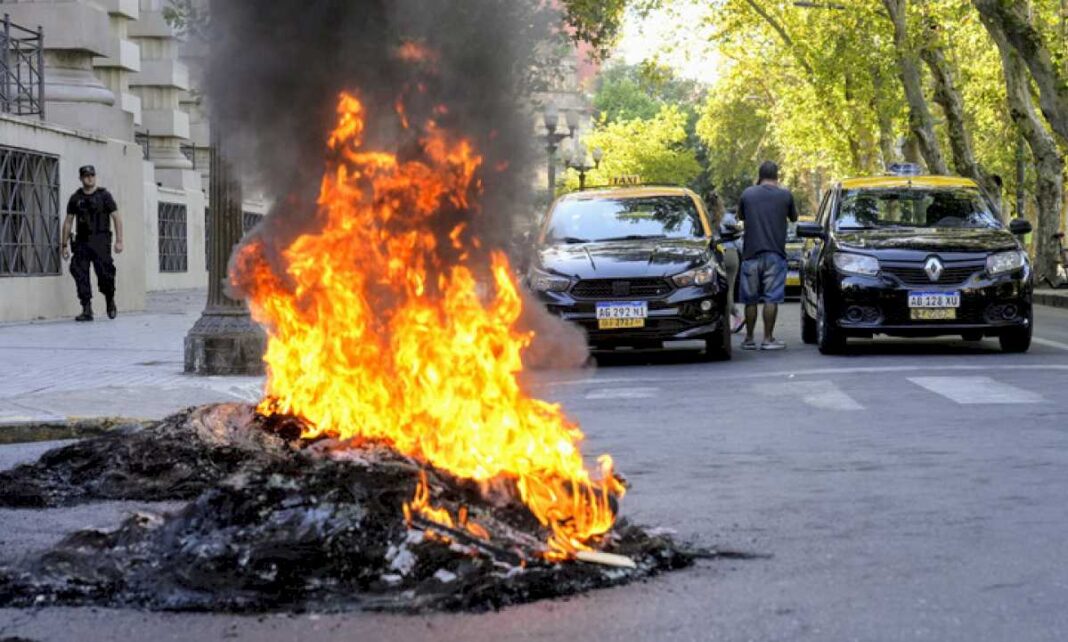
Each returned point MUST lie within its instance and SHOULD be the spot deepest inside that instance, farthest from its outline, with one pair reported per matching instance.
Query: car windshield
(961, 207)
(616, 219)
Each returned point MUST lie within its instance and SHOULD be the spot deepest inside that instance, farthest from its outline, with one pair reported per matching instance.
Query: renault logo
(933, 268)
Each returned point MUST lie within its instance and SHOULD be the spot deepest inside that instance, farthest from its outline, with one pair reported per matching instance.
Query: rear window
(615, 219)
(863, 209)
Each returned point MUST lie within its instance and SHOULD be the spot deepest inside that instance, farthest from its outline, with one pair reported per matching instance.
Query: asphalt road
(915, 490)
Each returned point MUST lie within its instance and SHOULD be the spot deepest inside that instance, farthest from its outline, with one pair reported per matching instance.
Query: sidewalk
(1053, 298)
(130, 367)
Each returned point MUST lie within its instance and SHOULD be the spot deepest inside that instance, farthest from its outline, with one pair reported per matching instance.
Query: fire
(372, 335)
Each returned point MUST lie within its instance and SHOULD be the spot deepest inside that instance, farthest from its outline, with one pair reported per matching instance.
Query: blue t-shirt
(766, 210)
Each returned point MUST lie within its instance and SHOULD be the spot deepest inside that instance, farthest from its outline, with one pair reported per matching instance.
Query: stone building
(117, 93)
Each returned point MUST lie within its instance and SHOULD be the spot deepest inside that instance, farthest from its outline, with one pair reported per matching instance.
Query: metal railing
(21, 70)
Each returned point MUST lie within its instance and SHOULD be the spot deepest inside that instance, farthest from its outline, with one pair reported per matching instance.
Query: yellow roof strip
(889, 182)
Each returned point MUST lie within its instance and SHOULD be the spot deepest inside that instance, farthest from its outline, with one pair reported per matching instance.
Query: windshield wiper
(635, 237)
(572, 240)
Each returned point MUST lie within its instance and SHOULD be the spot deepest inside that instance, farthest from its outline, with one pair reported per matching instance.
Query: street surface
(914, 490)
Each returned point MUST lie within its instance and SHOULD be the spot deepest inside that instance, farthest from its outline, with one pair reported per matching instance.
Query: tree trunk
(887, 144)
(948, 97)
(920, 121)
(1012, 21)
(1049, 165)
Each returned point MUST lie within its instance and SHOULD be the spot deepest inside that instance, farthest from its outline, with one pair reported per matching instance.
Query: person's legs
(749, 296)
(79, 269)
(771, 314)
(731, 265)
(773, 283)
(104, 266)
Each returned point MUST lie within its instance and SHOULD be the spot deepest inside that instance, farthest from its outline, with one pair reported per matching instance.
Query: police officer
(94, 210)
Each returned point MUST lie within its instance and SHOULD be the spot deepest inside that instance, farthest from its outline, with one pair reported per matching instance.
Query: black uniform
(92, 242)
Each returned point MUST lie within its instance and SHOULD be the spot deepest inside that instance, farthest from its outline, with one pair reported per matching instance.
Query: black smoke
(276, 70)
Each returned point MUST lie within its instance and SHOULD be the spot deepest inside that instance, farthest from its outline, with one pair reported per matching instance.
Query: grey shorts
(763, 279)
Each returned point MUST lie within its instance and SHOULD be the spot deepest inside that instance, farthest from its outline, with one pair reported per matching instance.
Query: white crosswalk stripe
(823, 394)
(976, 390)
(622, 393)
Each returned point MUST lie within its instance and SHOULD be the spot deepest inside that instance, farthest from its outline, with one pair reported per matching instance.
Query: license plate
(933, 314)
(934, 299)
(622, 314)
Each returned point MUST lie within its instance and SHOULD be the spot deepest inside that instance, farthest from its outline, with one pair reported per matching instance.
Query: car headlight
(856, 264)
(1003, 262)
(697, 276)
(546, 282)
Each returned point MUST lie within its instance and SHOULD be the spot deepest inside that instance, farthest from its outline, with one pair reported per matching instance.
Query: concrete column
(75, 33)
(159, 84)
(225, 340)
(123, 57)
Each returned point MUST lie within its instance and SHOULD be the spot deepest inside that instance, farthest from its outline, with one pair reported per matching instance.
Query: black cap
(86, 170)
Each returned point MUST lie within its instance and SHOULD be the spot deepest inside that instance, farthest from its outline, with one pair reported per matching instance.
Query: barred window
(173, 255)
(249, 220)
(29, 213)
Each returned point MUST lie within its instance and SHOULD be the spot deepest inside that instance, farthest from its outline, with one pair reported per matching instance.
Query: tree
(653, 149)
(1013, 25)
(921, 123)
(1049, 189)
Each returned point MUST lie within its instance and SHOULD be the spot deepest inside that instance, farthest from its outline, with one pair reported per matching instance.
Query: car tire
(809, 334)
(828, 337)
(718, 344)
(1018, 340)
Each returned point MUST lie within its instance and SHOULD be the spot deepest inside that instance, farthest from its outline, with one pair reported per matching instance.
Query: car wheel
(972, 336)
(828, 337)
(808, 326)
(1019, 339)
(718, 344)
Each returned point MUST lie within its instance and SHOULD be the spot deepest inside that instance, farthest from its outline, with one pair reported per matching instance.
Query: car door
(810, 257)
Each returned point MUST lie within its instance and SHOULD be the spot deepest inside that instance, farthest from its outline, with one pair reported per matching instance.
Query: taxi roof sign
(629, 179)
(904, 169)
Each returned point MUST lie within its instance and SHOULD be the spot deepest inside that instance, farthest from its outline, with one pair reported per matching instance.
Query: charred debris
(274, 522)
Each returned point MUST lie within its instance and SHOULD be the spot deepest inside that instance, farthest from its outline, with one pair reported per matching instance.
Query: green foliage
(595, 22)
(653, 148)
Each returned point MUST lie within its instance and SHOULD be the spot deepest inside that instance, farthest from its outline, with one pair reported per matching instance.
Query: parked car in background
(913, 256)
(634, 267)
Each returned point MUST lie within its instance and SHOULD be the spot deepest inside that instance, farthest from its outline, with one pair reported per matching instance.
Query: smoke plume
(278, 67)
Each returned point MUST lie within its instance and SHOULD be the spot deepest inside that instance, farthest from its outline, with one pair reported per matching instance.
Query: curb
(1051, 298)
(21, 432)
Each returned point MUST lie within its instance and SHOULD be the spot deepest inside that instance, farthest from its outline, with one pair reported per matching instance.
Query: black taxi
(914, 256)
(635, 267)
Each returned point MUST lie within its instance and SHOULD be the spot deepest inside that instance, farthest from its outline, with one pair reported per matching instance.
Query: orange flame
(372, 337)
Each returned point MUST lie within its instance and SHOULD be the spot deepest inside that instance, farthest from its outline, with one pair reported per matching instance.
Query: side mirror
(1020, 226)
(810, 231)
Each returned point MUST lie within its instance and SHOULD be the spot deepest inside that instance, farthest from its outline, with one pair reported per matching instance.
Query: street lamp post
(553, 137)
(580, 163)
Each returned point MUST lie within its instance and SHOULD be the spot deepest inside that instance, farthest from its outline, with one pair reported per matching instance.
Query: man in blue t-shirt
(765, 208)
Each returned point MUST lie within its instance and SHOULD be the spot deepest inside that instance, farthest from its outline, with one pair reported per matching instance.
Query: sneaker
(112, 309)
(749, 344)
(737, 324)
(774, 344)
(87, 313)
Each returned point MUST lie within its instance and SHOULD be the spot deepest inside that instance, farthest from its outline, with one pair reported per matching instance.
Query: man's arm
(740, 214)
(118, 231)
(793, 209)
(64, 238)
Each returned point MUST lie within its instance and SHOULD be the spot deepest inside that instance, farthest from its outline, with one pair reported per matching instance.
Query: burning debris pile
(396, 461)
(281, 522)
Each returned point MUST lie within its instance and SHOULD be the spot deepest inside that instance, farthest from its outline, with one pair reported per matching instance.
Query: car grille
(620, 288)
(916, 275)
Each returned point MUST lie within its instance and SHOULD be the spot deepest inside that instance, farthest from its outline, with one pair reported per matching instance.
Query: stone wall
(120, 169)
